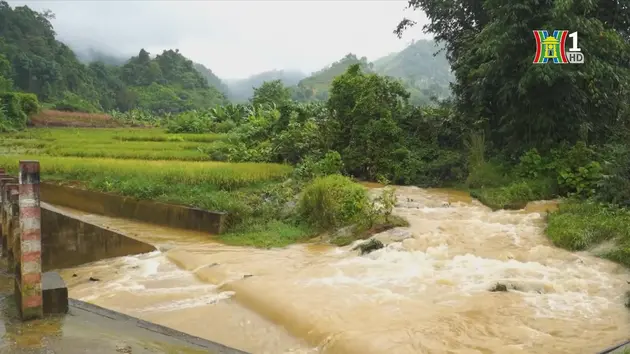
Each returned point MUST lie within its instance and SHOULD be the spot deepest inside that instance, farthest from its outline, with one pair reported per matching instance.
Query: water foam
(203, 300)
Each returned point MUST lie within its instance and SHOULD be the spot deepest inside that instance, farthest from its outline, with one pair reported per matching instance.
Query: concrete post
(4, 206)
(12, 213)
(29, 272)
(10, 193)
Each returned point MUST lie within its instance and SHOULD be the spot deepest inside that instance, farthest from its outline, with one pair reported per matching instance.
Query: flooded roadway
(426, 292)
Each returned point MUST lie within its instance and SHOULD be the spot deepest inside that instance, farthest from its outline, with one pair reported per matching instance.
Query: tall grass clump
(334, 201)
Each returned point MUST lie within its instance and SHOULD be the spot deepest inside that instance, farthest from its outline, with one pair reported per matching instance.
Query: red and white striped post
(4, 205)
(12, 222)
(29, 271)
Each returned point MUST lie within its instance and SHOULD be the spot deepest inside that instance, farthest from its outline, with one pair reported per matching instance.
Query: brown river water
(425, 292)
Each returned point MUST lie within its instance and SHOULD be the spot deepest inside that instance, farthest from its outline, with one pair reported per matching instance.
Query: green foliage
(189, 122)
(311, 168)
(17, 107)
(531, 165)
(317, 86)
(243, 90)
(40, 64)
(137, 117)
(212, 79)
(74, 103)
(487, 175)
(271, 93)
(387, 200)
(365, 109)
(582, 181)
(583, 225)
(332, 202)
(577, 170)
(5, 73)
(614, 187)
(490, 48)
(515, 195)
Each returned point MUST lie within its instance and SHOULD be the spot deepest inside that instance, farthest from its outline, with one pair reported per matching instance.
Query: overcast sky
(237, 38)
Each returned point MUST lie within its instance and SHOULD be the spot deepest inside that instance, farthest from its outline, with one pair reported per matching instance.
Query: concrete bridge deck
(91, 329)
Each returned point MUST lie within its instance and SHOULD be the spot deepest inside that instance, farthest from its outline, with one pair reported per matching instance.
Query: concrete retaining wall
(131, 208)
(69, 242)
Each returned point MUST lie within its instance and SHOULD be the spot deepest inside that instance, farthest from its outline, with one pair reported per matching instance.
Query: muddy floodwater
(427, 291)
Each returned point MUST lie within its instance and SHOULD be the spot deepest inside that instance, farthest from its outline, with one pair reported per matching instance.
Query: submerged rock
(369, 246)
(123, 348)
(499, 287)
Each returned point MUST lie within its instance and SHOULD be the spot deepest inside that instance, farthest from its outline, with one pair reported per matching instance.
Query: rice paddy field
(148, 163)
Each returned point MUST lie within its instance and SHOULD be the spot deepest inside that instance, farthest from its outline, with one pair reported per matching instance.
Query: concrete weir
(37, 237)
(68, 241)
(130, 208)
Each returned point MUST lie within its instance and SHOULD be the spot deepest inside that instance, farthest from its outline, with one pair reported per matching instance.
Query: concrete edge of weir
(213, 347)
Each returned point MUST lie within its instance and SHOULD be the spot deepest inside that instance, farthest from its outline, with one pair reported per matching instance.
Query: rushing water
(427, 291)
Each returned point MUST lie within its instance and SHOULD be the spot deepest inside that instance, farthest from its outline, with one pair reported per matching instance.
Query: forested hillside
(242, 90)
(90, 55)
(213, 80)
(40, 64)
(423, 73)
(317, 86)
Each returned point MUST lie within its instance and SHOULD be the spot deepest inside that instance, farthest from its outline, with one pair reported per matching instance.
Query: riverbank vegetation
(510, 133)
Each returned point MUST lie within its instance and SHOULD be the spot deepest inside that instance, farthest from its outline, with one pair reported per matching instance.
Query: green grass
(584, 225)
(515, 195)
(148, 167)
(117, 143)
(274, 233)
(150, 164)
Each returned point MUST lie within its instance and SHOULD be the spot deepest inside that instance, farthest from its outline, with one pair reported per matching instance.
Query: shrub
(17, 107)
(190, 122)
(577, 169)
(532, 165)
(388, 201)
(310, 168)
(487, 175)
(333, 202)
(614, 187)
(74, 103)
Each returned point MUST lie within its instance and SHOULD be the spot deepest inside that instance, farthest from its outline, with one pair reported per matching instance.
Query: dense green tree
(243, 90)
(519, 105)
(366, 109)
(5, 74)
(317, 86)
(271, 93)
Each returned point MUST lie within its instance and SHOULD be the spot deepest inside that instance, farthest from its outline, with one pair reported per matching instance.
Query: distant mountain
(243, 89)
(423, 73)
(212, 79)
(316, 86)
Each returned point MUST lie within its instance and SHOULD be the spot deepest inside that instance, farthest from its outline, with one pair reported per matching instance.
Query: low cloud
(236, 38)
